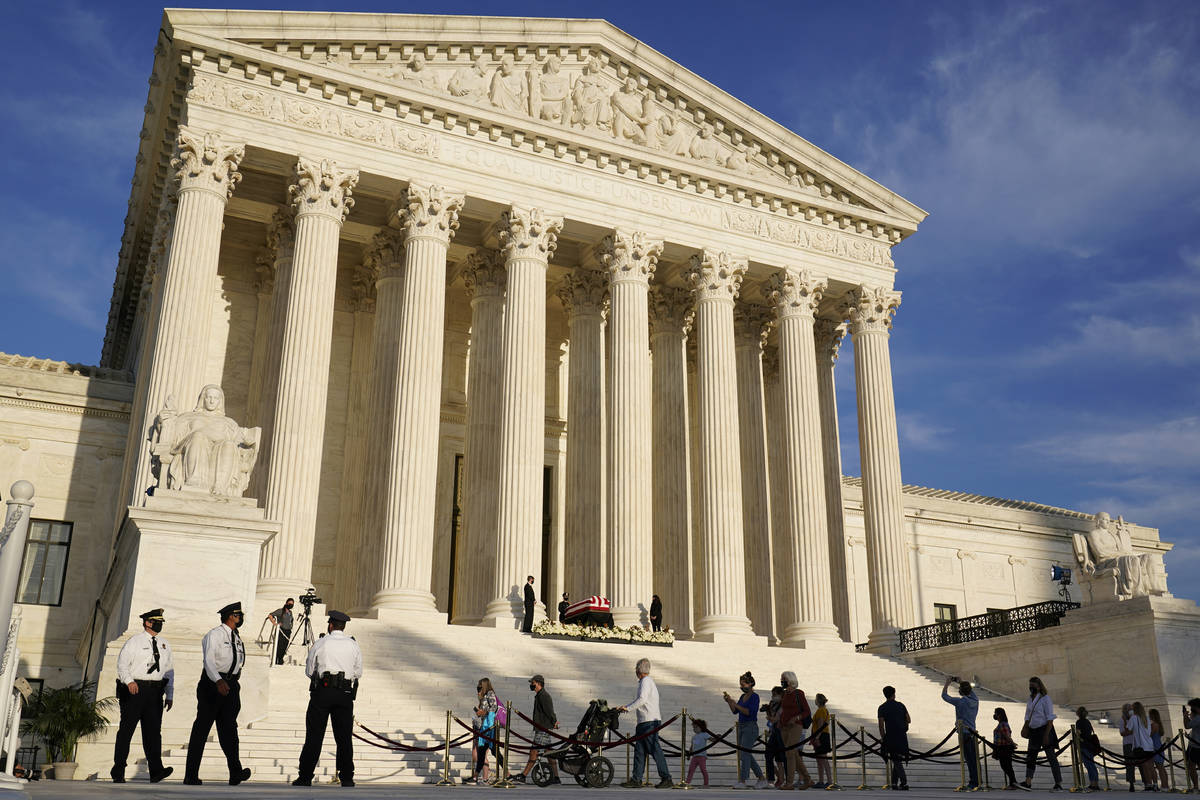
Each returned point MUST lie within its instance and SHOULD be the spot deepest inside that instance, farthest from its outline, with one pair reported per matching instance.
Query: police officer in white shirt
(218, 696)
(334, 666)
(145, 686)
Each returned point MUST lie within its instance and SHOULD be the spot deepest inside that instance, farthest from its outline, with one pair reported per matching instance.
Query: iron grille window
(945, 612)
(44, 568)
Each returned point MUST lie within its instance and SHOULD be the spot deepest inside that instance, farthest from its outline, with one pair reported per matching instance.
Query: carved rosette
(584, 292)
(715, 275)
(752, 324)
(384, 256)
(203, 162)
(872, 309)
(629, 255)
(828, 333)
(485, 274)
(528, 233)
(322, 188)
(672, 310)
(430, 212)
(795, 293)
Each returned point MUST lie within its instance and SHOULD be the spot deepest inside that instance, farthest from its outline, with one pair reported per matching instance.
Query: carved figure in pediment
(705, 147)
(743, 161)
(550, 93)
(415, 72)
(203, 450)
(632, 113)
(470, 82)
(1107, 550)
(508, 90)
(590, 108)
(674, 135)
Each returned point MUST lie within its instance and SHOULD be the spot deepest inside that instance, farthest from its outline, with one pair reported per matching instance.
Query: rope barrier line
(392, 744)
(601, 744)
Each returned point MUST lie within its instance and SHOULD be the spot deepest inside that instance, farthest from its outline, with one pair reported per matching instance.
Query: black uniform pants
(895, 752)
(281, 643)
(145, 707)
(213, 707)
(527, 623)
(326, 703)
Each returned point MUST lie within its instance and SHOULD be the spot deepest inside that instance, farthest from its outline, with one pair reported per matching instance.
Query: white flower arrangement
(594, 633)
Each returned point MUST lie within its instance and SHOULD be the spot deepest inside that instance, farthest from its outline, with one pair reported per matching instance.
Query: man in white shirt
(648, 718)
(334, 666)
(145, 686)
(218, 696)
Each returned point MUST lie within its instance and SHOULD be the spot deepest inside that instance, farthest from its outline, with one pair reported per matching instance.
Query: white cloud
(1165, 446)
(1114, 339)
(919, 433)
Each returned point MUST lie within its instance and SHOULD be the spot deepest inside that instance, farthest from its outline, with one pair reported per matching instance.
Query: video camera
(310, 599)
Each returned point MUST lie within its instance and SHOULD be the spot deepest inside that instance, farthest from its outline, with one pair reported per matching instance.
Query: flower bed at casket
(549, 629)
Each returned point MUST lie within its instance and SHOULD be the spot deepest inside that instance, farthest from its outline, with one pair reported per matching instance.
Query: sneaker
(518, 778)
(631, 785)
(740, 785)
(665, 783)
(762, 784)
(1057, 788)
(469, 780)
(1025, 787)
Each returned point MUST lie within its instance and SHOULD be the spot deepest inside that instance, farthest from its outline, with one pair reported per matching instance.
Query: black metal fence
(1033, 617)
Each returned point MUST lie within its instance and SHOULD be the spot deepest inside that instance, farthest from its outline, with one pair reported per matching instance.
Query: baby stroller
(583, 762)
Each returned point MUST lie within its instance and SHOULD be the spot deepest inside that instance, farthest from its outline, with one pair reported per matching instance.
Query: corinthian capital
(671, 310)
(794, 293)
(584, 292)
(715, 275)
(629, 255)
(384, 256)
(828, 333)
(362, 286)
(752, 324)
(322, 188)
(528, 233)
(430, 212)
(203, 162)
(872, 309)
(484, 275)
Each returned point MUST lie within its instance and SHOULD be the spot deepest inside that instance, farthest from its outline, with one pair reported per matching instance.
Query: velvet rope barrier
(392, 744)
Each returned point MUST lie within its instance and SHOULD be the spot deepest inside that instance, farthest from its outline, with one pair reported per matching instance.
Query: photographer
(966, 708)
(281, 618)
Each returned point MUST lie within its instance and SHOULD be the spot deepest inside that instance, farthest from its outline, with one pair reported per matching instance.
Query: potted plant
(61, 718)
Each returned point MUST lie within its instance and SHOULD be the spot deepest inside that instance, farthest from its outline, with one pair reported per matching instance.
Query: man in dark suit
(527, 625)
(562, 608)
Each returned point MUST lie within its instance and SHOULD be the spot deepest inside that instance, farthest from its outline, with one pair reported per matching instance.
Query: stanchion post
(446, 779)
(683, 781)
(862, 756)
(1104, 761)
(503, 781)
(983, 763)
(1171, 767)
(833, 786)
(1076, 766)
(962, 758)
(1187, 762)
(628, 776)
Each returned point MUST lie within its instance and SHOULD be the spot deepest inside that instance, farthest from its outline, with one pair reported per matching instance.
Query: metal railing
(1032, 617)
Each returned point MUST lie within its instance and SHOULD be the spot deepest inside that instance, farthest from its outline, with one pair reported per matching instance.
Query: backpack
(501, 713)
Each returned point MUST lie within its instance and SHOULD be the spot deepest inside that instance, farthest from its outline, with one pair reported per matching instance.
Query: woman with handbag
(1039, 730)
(1089, 746)
(1004, 747)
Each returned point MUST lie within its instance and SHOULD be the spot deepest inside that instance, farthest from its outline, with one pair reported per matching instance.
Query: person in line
(823, 745)
(745, 708)
(699, 759)
(1039, 729)
(794, 717)
(648, 718)
(1127, 745)
(281, 618)
(334, 666)
(1162, 780)
(893, 721)
(1004, 747)
(543, 717)
(563, 605)
(1191, 723)
(530, 600)
(966, 709)
(1137, 727)
(655, 613)
(775, 754)
(486, 710)
(145, 688)
(219, 697)
(1089, 746)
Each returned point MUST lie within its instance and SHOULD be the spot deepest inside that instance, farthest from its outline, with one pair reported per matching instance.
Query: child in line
(823, 744)
(1003, 744)
(699, 760)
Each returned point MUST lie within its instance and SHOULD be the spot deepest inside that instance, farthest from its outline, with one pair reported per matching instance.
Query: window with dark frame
(44, 566)
(945, 612)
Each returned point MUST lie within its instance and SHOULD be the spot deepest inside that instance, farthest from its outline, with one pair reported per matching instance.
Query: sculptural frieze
(202, 451)
(1106, 553)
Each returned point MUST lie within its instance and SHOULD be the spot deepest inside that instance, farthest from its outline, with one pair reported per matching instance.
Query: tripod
(304, 623)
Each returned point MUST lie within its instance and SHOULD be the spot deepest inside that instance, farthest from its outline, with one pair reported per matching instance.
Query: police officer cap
(154, 613)
(230, 610)
(338, 616)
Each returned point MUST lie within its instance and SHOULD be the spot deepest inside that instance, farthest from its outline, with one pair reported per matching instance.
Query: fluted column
(781, 548)
(809, 612)
(429, 217)
(321, 197)
(871, 312)
(829, 334)
(715, 278)
(630, 257)
(527, 237)
(751, 325)
(583, 295)
(385, 262)
(484, 280)
(206, 172)
(671, 317)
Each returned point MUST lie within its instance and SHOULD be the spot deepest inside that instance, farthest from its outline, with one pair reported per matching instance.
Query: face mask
(288, 606)
(1033, 691)
(156, 625)
(532, 688)
(240, 620)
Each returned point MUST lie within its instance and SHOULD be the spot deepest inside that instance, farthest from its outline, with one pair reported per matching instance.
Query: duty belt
(330, 680)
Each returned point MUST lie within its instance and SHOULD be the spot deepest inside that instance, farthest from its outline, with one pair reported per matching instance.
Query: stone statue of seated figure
(203, 451)
(1106, 556)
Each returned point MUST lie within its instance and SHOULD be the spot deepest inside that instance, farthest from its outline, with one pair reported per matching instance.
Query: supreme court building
(487, 298)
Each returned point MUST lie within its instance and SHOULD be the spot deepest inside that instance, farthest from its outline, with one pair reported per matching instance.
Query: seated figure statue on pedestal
(1107, 557)
(203, 451)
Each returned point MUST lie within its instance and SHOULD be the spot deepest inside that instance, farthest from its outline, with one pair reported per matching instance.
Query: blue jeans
(971, 756)
(649, 746)
(1089, 763)
(747, 738)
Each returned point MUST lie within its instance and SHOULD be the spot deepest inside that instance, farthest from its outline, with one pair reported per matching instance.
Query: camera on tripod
(310, 599)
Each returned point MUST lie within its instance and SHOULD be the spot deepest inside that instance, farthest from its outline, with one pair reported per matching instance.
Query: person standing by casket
(145, 687)
(219, 697)
(655, 613)
(562, 608)
(334, 665)
(530, 600)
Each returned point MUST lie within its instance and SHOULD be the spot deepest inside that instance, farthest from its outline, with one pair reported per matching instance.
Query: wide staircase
(413, 677)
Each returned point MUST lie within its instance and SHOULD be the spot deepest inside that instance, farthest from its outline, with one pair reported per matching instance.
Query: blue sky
(1048, 346)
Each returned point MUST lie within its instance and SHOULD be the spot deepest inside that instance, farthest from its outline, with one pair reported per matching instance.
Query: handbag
(1025, 730)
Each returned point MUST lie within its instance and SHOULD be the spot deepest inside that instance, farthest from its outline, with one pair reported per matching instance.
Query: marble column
(809, 613)
(715, 278)
(484, 280)
(321, 197)
(671, 316)
(206, 173)
(751, 325)
(584, 296)
(630, 257)
(781, 568)
(527, 237)
(871, 311)
(829, 334)
(385, 262)
(429, 218)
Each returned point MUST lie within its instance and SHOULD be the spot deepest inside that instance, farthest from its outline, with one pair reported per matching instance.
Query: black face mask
(240, 620)
(1033, 691)
(156, 625)
(288, 606)
(532, 688)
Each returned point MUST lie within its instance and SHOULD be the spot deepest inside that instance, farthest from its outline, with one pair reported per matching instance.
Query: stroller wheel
(581, 779)
(599, 771)
(541, 774)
